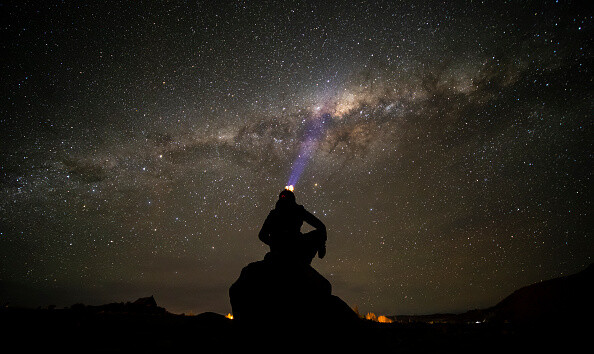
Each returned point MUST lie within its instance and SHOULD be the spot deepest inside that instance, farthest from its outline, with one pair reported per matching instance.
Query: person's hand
(322, 250)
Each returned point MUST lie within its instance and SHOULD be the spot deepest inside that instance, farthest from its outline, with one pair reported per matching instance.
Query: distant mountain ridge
(567, 298)
(563, 299)
(144, 305)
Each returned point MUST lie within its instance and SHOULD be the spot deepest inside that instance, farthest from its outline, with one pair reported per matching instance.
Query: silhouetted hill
(559, 300)
(145, 305)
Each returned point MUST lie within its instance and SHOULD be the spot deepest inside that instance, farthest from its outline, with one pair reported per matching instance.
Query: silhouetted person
(282, 232)
(284, 284)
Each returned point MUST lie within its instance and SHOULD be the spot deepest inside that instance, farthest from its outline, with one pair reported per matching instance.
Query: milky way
(447, 148)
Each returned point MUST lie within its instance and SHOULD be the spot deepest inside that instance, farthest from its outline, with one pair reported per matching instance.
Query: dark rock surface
(273, 289)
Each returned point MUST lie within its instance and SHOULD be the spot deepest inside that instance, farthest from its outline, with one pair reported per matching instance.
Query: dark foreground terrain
(88, 331)
(124, 329)
(551, 316)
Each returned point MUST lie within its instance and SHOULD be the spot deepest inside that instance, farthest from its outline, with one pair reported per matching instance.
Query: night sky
(143, 144)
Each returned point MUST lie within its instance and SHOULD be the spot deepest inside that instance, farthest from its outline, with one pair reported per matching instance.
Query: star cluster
(143, 144)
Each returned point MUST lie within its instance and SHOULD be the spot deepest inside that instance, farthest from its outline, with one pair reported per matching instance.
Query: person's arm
(314, 222)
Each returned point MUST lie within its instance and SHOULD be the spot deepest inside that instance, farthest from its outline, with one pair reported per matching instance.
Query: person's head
(287, 195)
(286, 198)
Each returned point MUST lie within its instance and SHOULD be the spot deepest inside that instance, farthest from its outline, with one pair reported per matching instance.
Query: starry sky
(143, 144)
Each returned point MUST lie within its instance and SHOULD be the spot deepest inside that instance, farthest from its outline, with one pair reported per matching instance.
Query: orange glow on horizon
(382, 319)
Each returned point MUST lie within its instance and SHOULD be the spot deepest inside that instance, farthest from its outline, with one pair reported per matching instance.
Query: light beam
(313, 132)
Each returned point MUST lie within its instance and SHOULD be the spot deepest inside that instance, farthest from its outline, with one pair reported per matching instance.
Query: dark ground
(85, 330)
(552, 316)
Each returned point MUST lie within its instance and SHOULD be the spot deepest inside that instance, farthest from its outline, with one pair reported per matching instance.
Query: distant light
(290, 188)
